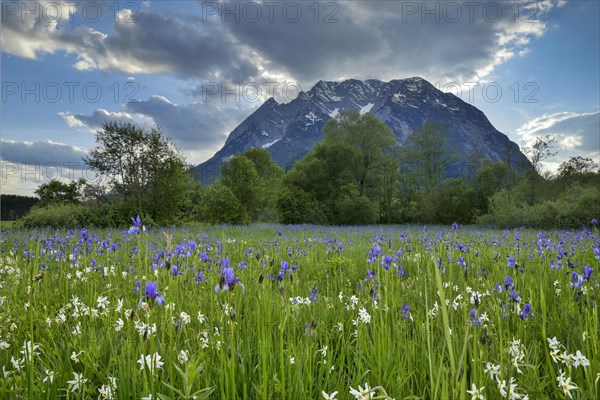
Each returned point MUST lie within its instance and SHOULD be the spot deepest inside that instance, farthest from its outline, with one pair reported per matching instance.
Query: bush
(221, 205)
(356, 210)
(62, 215)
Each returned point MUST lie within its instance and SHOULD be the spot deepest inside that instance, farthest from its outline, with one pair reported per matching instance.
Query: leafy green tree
(221, 205)
(143, 171)
(576, 166)
(56, 191)
(427, 156)
(295, 206)
(270, 176)
(370, 142)
(489, 180)
(357, 210)
(355, 164)
(240, 176)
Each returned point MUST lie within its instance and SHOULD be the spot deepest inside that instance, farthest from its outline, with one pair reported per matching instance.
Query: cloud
(99, 117)
(26, 165)
(576, 134)
(198, 129)
(390, 40)
(300, 41)
(42, 153)
(143, 42)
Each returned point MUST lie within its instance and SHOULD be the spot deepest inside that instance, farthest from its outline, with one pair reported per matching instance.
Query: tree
(56, 191)
(371, 143)
(541, 150)
(143, 170)
(270, 176)
(355, 165)
(221, 205)
(428, 155)
(576, 166)
(240, 176)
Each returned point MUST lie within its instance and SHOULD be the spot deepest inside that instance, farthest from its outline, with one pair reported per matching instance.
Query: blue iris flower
(587, 272)
(475, 321)
(200, 277)
(515, 296)
(151, 292)
(510, 262)
(526, 312)
(405, 313)
(313, 295)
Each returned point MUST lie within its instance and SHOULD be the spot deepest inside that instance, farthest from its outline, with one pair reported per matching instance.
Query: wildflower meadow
(300, 312)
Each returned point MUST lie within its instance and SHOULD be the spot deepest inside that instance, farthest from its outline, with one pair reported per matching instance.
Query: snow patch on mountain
(267, 145)
(366, 109)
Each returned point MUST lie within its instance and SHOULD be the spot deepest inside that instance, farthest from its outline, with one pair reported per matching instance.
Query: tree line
(357, 174)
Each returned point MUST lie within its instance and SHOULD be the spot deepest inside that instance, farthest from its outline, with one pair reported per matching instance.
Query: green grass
(254, 342)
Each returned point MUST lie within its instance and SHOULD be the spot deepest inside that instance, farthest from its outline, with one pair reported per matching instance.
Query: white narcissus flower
(362, 394)
(329, 396)
(77, 382)
(49, 376)
(476, 393)
(152, 362)
(184, 318)
(580, 359)
(565, 384)
(493, 370)
(183, 357)
(106, 392)
(119, 325)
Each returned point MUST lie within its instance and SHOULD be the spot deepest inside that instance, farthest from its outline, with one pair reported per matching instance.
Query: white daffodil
(329, 396)
(362, 394)
(493, 370)
(476, 393)
(579, 359)
(77, 382)
(565, 384)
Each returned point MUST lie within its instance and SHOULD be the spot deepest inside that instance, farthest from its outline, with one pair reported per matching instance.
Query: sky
(196, 69)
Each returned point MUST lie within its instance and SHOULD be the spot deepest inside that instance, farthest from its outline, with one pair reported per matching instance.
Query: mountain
(289, 131)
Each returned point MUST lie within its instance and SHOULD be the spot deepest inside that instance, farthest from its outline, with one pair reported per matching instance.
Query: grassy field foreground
(284, 312)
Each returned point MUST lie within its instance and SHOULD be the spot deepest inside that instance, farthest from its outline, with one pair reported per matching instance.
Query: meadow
(300, 312)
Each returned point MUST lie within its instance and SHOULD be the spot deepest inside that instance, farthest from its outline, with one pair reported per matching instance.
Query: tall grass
(337, 321)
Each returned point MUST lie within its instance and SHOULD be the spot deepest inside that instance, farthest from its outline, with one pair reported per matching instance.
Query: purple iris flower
(577, 280)
(175, 270)
(587, 272)
(510, 262)
(405, 313)
(475, 321)
(526, 312)
(225, 263)
(137, 222)
(370, 274)
(151, 292)
(313, 295)
(228, 280)
(508, 283)
(594, 222)
(229, 275)
(137, 286)
(515, 296)
(200, 277)
(386, 262)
